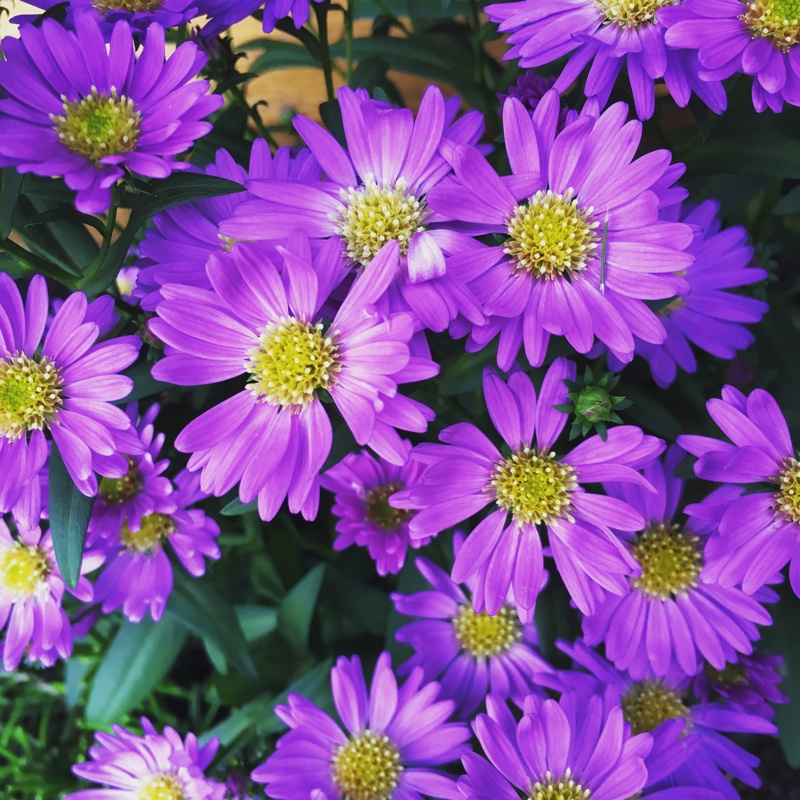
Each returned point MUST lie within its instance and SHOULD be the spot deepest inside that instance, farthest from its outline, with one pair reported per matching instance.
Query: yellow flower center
(23, 571)
(533, 487)
(99, 125)
(379, 512)
(559, 788)
(160, 787)
(550, 236)
(374, 215)
(670, 561)
(154, 528)
(787, 505)
(117, 491)
(292, 361)
(649, 703)
(632, 13)
(777, 20)
(367, 767)
(730, 675)
(30, 394)
(482, 635)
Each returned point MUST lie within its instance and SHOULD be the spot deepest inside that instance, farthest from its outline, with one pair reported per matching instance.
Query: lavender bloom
(529, 89)
(569, 749)
(757, 37)
(178, 246)
(748, 684)
(758, 532)
(274, 436)
(84, 111)
(608, 35)
(363, 485)
(375, 193)
(65, 384)
(670, 620)
(31, 591)
(278, 9)
(534, 486)
(154, 766)
(584, 245)
(470, 653)
(394, 738)
(139, 574)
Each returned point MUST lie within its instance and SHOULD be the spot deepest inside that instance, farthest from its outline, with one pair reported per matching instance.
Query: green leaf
(366, 606)
(257, 621)
(138, 659)
(297, 608)
(280, 55)
(200, 607)
(69, 518)
(236, 508)
(789, 203)
(747, 151)
(10, 183)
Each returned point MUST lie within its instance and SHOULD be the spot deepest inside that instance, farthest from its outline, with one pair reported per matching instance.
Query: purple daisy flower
(671, 619)
(374, 194)
(139, 575)
(606, 34)
(573, 748)
(535, 487)
(362, 485)
(31, 591)
(584, 244)
(278, 9)
(530, 88)
(84, 111)
(394, 738)
(274, 436)
(759, 532)
(177, 248)
(469, 652)
(757, 37)
(65, 384)
(748, 684)
(154, 766)
(707, 314)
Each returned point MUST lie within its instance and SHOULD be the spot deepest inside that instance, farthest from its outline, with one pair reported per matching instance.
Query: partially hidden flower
(279, 9)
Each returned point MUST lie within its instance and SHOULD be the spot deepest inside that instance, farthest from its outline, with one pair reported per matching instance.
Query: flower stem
(321, 12)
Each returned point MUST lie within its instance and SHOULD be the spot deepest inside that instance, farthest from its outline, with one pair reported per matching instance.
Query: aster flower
(274, 436)
(534, 486)
(374, 194)
(690, 734)
(80, 110)
(66, 385)
(31, 592)
(757, 37)
(584, 245)
(748, 684)
(138, 576)
(177, 247)
(759, 532)
(393, 740)
(362, 485)
(278, 9)
(568, 749)
(672, 620)
(154, 766)
(608, 35)
(469, 652)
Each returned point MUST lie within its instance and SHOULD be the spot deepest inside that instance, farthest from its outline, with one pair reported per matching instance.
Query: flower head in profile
(363, 485)
(279, 9)
(582, 243)
(153, 766)
(527, 484)
(374, 194)
(671, 620)
(274, 436)
(62, 382)
(31, 591)
(470, 653)
(759, 532)
(388, 746)
(89, 111)
(139, 575)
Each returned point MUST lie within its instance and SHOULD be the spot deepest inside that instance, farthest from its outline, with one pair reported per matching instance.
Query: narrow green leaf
(789, 203)
(69, 518)
(280, 55)
(366, 606)
(236, 508)
(297, 608)
(200, 607)
(136, 662)
(10, 183)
